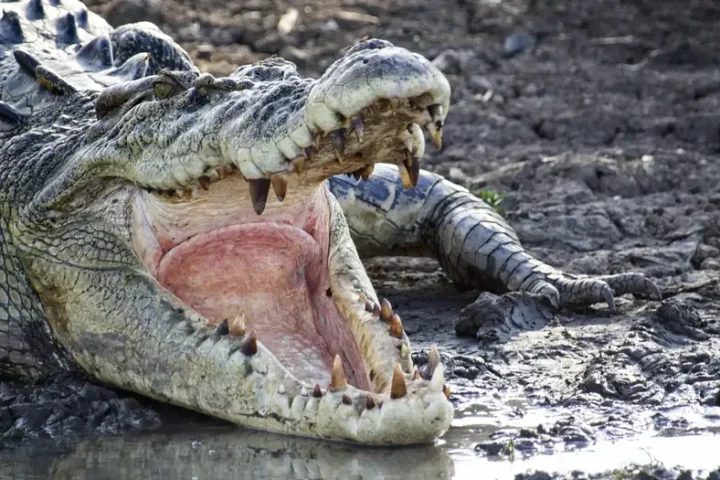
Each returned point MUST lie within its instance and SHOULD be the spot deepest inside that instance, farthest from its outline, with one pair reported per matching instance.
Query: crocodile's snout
(267, 123)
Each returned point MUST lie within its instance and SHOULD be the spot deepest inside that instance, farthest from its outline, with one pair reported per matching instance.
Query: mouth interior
(226, 261)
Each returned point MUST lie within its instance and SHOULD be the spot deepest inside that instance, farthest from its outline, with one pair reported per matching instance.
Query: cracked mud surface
(599, 122)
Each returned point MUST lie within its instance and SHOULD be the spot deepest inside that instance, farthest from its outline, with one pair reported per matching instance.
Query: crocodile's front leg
(474, 244)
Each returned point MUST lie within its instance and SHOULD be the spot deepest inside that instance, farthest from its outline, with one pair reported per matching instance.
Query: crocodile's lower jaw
(291, 280)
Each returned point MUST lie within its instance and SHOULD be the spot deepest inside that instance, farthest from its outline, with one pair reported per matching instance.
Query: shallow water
(209, 450)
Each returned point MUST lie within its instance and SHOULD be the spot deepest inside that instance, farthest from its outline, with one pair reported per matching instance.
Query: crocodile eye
(163, 90)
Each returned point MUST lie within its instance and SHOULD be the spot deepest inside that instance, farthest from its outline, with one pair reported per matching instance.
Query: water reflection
(220, 452)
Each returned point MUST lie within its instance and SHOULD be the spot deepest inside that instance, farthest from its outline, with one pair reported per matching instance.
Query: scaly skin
(100, 147)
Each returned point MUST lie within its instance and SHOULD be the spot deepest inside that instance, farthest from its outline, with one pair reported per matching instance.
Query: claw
(609, 298)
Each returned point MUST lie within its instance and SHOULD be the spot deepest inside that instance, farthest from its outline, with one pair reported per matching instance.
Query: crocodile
(141, 246)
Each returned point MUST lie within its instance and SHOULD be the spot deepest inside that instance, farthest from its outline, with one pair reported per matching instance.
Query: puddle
(222, 451)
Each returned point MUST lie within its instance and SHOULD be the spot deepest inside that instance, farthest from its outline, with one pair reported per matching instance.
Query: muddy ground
(600, 123)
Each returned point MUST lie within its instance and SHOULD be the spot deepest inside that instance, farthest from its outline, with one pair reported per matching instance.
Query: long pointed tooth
(259, 189)
(405, 176)
(357, 174)
(359, 127)
(317, 392)
(279, 185)
(337, 137)
(433, 362)
(404, 351)
(299, 165)
(303, 391)
(369, 306)
(398, 388)
(446, 392)
(436, 114)
(223, 328)
(413, 166)
(367, 171)
(386, 311)
(435, 134)
(237, 326)
(377, 310)
(249, 345)
(394, 104)
(438, 379)
(369, 402)
(204, 182)
(396, 327)
(337, 379)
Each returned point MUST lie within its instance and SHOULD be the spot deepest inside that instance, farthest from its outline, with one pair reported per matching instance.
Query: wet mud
(599, 123)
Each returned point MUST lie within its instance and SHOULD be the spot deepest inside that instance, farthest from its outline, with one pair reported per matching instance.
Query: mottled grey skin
(84, 130)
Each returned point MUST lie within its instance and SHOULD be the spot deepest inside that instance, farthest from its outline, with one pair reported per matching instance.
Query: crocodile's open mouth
(274, 274)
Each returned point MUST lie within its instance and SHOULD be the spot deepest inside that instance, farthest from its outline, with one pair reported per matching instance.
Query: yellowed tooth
(237, 326)
(433, 361)
(446, 391)
(362, 297)
(359, 127)
(405, 176)
(367, 171)
(317, 391)
(337, 138)
(279, 185)
(404, 351)
(386, 311)
(204, 182)
(394, 104)
(435, 135)
(299, 165)
(377, 311)
(220, 171)
(398, 388)
(337, 378)
(259, 188)
(396, 328)
(249, 345)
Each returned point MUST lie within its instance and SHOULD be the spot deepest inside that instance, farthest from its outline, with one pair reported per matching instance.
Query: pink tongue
(267, 271)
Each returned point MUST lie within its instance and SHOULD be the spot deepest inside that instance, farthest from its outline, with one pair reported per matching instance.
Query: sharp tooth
(281, 389)
(237, 326)
(259, 189)
(436, 114)
(413, 166)
(435, 135)
(337, 379)
(346, 400)
(433, 362)
(386, 311)
(362, 297)
(415, 374)
(303, 391)
(404, 351)
(317, 392)
(405, 176)
(369, 306)
(398, 389)
(220, 171)
(408, 144)
(357, 174)
(223, 328)
(359, 127)
(446, 392)
(337, 137)
(394, 104)
(438, 379)
(249, 345)
(369, 402)
(367, 171)
(299, 165)
(279, 185)
(396, 328)
(204, 182)
(376, 310)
